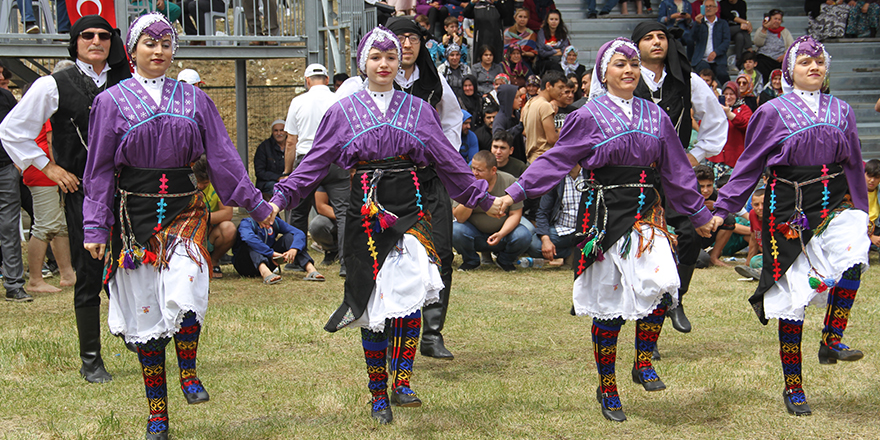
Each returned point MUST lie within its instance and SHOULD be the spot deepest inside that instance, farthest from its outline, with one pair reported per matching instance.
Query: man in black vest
(66, 98)
(668, 81)
(419, 77)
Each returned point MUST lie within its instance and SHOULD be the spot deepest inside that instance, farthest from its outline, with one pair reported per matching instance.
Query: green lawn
(523, 369)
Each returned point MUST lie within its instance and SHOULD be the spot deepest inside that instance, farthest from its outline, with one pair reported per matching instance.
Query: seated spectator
(735, 12)
(676, 14)
(255, 12)
(864, 18)
(514, 66)
(774, 89)
(324, 228)
(338, 79)
(269, 159)
(570, 64)
(720, 238)
(590, 7)
(552, 40)
(709, 76)
(746, 91)
(538, 10)
(502, 148)
(754, 259)
(195, 13)
(48, 224)
(469, 144)
(257, 250)
(557, 220)
(475, 231)
(169, 9)
(831, 21)
(738, 116)
(486, 70)
(221, 231)
(624, 9)
(470, 99)
(510, 101)
(711, 39)
(453, 35)
(749, 67)
(435, 12)
(533, 85)
(453, 69)
(456, 8)
(872, 178)
(772, 40)
(191, 77)
(520, 35)
(484, 130)
(403, 7)
(586, 79)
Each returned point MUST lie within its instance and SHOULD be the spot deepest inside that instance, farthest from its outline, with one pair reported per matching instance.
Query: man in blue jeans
(557, 218)
(474, 231)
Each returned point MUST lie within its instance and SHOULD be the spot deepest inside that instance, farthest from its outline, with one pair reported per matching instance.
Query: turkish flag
(80, 8)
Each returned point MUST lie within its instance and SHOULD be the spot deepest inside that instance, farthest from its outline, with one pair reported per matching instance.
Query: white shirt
(713, 128)
(305, 114)
(626, 105)
(23, 123)
(153, 86)
(448, 108)
(382, 99)
(710, 46)
(811, 99)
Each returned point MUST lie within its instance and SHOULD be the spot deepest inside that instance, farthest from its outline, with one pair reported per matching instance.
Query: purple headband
(805, 45)
(623, 46)
(156, 26)
(380, 38)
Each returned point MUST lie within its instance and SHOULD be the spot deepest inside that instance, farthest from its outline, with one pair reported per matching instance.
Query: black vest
(430, 93)
(676, 102)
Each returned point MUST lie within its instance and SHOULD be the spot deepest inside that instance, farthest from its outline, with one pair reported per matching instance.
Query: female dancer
(626, 269)
(385, 135)
(143, 135)
(815, 214)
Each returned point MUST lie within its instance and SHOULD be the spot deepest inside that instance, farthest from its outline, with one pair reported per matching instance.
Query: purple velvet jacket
(126, 128)
(353, 130)
(598, 135)
(784, 131)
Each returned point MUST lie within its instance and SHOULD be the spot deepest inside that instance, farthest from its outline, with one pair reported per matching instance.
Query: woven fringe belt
(134, 253)
(592, 243)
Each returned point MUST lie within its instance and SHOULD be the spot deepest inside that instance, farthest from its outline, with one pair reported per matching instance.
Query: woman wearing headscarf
(738, 115)
(522, 36)
(515, 67)
(816, 211)
(626, 269)
(488, 30)
(510, 100)
(469, 98)
(454, 69)
(773, 89)
(388, 137)
(143, 135)
(570, 62)
(746, 91)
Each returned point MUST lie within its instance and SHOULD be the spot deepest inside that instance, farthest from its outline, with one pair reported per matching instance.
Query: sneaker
(33, 29)
(505, 267)
(52, 266)
(486, 258)
(465, 267)
(18, 295)
(329, 258)
(748, 272)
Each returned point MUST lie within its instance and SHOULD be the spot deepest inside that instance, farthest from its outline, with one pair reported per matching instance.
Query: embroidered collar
(624, 104)
(810, 98)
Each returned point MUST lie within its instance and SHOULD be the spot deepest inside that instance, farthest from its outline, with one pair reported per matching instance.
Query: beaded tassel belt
(593, 237)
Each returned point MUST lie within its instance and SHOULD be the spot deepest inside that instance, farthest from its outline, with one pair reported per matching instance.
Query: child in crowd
(755, 258)
(435, 49)
(721, 239)
(750, 63)
(454, 35)
(872, 178)
(709, 76)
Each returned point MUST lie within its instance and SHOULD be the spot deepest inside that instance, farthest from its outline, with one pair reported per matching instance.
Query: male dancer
(67, 98)
(668, 81)
(419, 77)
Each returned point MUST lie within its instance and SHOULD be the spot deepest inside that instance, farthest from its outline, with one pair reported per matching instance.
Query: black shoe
(195, 393)
(405, 397)
(505, 267)
(383, 415)
(329, 258)
(18, 295)
(468, 266)
(616, 414)
(157, 427)
(592, 15)
(655, 356)
(132, 347)
(837, 352)
(680, 322)
(796, 402)
(604, 12)
(436, 349)
(648, 377)
(157, 436)
(748, 272)
(88, 326)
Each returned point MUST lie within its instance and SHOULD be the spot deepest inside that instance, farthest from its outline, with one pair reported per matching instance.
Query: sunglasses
(104, 36)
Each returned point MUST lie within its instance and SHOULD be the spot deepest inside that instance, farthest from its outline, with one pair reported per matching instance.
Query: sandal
(272, 279)
(217, 273)
(314, 276)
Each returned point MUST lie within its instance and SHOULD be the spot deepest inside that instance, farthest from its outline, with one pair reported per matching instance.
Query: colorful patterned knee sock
(647, 332)
(605, 350)
(375, 348)
(152, 357)
(840, 301)
(404, 340)
(186, 341)
(790, 354)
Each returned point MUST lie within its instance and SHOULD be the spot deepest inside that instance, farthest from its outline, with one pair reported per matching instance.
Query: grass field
(523, 368)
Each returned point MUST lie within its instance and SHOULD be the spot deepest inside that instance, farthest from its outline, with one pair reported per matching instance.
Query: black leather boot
(679, 320)
(433, 319)
(88, 325)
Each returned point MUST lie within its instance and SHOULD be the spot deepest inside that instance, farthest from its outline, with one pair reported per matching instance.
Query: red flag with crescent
(80, 8)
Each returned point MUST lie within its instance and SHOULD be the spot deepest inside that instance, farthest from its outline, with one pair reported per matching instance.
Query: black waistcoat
(430, 93)
(676, 102)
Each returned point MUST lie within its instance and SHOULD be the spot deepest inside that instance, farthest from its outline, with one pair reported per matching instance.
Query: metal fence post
(241, 123)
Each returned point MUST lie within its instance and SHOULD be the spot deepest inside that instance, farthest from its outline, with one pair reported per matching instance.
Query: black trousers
(89, 271)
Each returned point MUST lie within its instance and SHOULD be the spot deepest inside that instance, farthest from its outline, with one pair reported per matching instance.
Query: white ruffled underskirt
(629, 288)
(406, 282)
(842, 245)
(146, 303)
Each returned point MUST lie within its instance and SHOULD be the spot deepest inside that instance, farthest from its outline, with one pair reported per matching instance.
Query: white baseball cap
(315, 70)
(189, 76)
